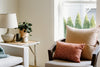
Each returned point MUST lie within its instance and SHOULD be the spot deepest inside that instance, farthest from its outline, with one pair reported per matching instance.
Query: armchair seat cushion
(61, 63)
(19, 66)
(10, 61)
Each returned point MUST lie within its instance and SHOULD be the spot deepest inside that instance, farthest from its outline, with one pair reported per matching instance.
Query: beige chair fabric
(61, 63)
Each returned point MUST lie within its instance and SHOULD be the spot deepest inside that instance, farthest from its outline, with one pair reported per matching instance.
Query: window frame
(58, 17)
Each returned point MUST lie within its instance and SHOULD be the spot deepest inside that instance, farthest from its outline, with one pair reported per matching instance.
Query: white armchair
(19, 56)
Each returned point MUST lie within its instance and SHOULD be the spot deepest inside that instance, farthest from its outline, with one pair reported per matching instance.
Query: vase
(25, 40)
(8, 37)
(24, 35)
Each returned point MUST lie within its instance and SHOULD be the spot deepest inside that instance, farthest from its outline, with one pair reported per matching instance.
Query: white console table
(28, 44)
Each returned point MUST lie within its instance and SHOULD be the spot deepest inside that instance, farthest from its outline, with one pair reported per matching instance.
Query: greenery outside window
(80, 14)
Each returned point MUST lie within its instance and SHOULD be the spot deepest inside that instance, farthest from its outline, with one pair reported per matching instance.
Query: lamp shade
(8, 20)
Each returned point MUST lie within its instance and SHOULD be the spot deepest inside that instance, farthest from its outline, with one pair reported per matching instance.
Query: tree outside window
(80, 14)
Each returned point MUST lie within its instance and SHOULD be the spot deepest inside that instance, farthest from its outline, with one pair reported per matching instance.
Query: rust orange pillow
(68, 51)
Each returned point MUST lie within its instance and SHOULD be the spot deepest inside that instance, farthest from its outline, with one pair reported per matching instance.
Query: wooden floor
(31, 66)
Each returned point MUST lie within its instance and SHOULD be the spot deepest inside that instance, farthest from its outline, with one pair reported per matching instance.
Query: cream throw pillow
(87, 36)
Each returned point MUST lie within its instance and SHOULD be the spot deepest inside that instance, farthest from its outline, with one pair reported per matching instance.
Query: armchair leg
(95, 65)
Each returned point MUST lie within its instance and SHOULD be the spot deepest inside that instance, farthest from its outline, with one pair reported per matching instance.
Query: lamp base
(8, 37)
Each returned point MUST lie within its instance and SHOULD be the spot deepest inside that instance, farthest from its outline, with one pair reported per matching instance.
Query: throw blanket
(2, 53)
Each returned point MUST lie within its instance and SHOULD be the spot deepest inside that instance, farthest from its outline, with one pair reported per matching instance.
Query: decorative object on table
(2, 53)
(8, 20)
(25, 29)
(17, 37)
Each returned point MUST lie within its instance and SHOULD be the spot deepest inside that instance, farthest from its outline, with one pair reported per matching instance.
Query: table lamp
(8, 20)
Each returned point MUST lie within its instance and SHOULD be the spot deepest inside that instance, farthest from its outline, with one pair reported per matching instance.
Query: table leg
(34, 53)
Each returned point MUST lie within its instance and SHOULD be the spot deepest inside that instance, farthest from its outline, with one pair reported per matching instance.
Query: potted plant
(25, 29)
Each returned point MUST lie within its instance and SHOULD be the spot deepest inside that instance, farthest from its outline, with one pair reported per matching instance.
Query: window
(68, 10)
(82, 10)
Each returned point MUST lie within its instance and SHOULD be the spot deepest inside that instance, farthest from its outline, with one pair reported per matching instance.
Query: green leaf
(30, 24)
(23, 22)
(30, 35)
(26, 26)
(28, 31)
(21, 28)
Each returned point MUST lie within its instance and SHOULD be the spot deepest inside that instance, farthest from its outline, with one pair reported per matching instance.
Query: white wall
(98, 12)
(40, 14)
(98, 23)
(8, 6)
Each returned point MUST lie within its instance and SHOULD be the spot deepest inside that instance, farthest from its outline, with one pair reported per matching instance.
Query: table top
(29, 43)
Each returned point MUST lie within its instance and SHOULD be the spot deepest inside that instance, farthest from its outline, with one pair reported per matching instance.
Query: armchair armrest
(52, 49)
(95, 55)
(63, 40)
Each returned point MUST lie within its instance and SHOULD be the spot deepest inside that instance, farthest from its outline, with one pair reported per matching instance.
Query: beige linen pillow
(87, 36)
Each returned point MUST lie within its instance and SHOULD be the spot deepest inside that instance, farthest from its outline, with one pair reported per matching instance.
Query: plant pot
(24, 35)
